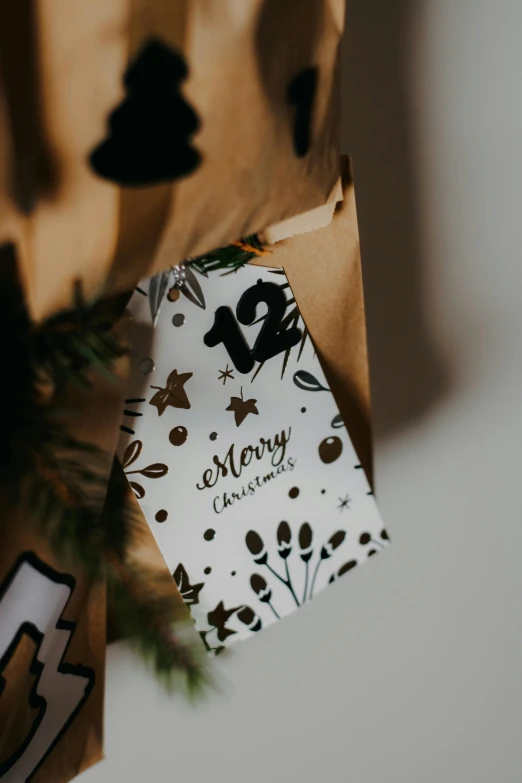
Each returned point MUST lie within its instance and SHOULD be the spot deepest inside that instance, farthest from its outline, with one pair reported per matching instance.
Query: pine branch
(143, 607)
(232, 257)
(58, 481)
(160, 632)
(65, 496)
(72, 344)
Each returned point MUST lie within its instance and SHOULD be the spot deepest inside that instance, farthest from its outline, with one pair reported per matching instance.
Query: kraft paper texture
(53, 625)
(236, 102)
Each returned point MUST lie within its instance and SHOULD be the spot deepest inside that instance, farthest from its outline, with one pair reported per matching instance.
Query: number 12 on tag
(271, 340)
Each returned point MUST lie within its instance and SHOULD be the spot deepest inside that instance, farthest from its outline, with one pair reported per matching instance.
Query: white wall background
(410, 668)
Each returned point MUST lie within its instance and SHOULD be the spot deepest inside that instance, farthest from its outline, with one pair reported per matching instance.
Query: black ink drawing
(344, 503)
(330, 449)
(307, 382)
(241, 408)
(226, 330)
(154, 471)
(284, 547)
(178, 435)
(367, 538)
(127, 412)
(343, 570)
(292, 320)
(263, 592)
(327, 551)
(248, 617)
(306, 553)
(218, 619)
(257, 549)
(189, 593)
(173, 393)
(337, 421)
(150, 132)
(273, 338)
(225, 375)
(276, 336)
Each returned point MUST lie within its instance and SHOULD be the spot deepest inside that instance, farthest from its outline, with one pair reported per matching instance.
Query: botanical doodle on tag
(154, 471)
(189, 593)
(259, 552)
(173, 393)
(307, 382)
(242, 408)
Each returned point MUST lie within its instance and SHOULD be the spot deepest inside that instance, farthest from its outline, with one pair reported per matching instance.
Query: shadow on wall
(408, 374)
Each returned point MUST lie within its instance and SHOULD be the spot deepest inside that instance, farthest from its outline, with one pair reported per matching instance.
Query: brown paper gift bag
(216, 117)
(324, 270)
(52, 617)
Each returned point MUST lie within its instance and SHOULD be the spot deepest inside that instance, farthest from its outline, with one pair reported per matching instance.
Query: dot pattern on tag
(146, 366)
(330, 449)
(178, 319)
(178, 436)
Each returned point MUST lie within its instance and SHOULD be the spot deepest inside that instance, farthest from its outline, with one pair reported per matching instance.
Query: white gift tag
(237, 453)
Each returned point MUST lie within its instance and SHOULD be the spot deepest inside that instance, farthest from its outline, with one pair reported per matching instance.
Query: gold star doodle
(225, 375)
(173, 394)
(344, 503)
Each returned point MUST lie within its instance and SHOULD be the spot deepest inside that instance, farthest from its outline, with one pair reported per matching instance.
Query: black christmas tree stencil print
(149, 139)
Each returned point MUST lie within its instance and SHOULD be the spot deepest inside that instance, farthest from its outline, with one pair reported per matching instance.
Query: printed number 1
(301, 94)
(225, 330)
(270, 341)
